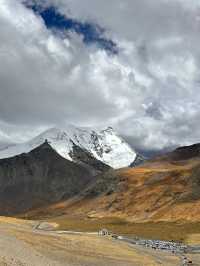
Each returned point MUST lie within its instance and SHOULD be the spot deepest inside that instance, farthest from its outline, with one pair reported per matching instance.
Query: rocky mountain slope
(139, 160)
(164, 189)
(104, 145)
(38, 178)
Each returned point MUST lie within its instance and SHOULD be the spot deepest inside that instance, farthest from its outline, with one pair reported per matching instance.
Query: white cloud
(149, 91)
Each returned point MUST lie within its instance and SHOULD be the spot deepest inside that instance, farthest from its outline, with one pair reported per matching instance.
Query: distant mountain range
(74, 143)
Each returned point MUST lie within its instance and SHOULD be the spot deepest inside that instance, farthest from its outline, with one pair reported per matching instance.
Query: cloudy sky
(131, 64)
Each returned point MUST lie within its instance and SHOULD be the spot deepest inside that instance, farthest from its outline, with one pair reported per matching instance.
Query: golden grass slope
(157, 191)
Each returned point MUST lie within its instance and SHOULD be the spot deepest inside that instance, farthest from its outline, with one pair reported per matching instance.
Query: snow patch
(105, 145)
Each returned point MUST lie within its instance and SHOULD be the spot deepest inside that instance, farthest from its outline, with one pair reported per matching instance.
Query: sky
(132, 64)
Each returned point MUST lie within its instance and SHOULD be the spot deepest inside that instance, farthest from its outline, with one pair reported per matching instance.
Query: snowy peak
(104, 145)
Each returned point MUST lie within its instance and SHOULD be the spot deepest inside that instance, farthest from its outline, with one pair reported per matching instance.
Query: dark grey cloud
(149, 91)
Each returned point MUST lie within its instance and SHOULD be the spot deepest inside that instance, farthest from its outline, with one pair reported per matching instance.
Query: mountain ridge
(104, 145)
(37, 178)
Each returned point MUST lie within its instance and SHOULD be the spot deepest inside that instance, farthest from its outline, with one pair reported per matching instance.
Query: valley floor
(185, 232)
(22, 244)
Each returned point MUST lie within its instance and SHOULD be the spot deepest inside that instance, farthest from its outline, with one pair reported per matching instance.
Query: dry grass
(85, 249)
(156, 191)
(152, 201)
(187, 232)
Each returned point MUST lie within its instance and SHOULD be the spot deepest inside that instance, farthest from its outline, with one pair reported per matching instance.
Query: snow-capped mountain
(105, 145)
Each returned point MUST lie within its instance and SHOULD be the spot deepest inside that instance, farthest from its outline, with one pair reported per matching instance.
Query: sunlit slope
(164, 189)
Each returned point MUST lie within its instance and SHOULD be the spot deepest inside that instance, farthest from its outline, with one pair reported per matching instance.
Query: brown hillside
(164, 189)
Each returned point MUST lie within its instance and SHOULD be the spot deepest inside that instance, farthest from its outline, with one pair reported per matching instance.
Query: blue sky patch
(92, 33)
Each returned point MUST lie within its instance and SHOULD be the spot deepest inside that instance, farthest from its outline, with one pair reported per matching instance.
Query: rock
(39, 178)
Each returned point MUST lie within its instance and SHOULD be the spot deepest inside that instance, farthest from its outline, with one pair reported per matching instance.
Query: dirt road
(22, 245)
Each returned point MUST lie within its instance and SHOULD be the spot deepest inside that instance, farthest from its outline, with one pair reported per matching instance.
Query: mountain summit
(71, 143)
